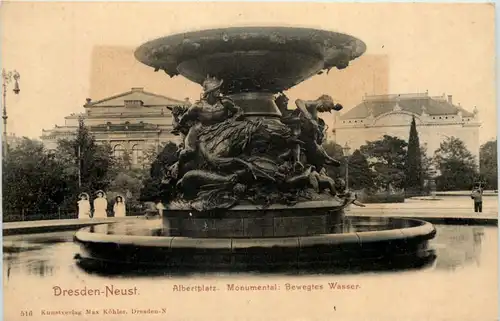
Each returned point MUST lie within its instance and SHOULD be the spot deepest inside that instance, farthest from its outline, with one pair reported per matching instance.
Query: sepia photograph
(264, 161)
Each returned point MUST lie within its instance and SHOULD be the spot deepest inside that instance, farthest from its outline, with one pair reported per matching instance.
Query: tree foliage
(386, 157)
(95, 161)
(335, 150)
(152, 187)
(426, 161)
(457, 166)
(489, 164)
(360, 174)
(33, 179)
(414, 181)
(88, 166)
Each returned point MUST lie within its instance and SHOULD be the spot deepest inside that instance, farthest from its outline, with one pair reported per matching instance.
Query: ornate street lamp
(7, 77)
(345, 150)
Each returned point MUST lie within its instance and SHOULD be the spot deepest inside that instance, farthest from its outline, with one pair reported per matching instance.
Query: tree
(32, 179)
(426, 163)
(360, 174)
(387, 159)
(457, 166)
(167, 157)
(489, 164)
(124, 162)
(414, 182)
(152, 187)
(86, 162)
(128, 184)
(151, 153)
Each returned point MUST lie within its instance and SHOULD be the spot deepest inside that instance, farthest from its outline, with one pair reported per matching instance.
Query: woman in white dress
(83, 206)
(119, 207)
(160, 207)
(100, 205)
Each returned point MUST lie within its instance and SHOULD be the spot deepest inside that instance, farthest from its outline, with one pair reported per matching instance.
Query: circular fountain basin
(356, 242)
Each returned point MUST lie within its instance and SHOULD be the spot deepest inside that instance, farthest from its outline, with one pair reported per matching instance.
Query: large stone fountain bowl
(352, 244)
(251, 59)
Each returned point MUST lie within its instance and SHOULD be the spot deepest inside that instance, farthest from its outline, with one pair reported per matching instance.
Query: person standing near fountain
(160, 207)
(83, 206)
(119, 208)
(477, 196)
(100, 205)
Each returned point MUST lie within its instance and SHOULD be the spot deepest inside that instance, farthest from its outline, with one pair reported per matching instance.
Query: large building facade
(134, 121)
(437, 118)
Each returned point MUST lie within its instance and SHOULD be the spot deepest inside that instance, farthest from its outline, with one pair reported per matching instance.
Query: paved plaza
(447, 207)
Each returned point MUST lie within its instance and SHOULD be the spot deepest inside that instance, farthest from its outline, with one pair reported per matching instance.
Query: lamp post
(346, 150)
(7, 77)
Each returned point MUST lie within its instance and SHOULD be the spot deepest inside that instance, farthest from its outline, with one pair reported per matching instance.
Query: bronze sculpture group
(227, 158)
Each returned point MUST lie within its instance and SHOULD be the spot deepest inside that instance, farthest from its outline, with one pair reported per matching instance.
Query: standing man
(477, 196)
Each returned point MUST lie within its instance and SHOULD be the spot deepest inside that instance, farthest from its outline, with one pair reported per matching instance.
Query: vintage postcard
(249, 161)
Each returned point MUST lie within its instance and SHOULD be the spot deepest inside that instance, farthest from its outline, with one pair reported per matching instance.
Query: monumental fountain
(249, 188)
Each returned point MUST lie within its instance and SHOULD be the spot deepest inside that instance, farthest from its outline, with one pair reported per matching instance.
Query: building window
(118, 151)
(136, 155)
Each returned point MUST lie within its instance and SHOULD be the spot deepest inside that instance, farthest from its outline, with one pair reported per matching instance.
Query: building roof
(136, 94)
(413, 103)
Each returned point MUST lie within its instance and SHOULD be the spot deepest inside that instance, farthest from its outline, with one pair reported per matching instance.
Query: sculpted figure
(321, 182)
(226, 158)
(211, 109)
(290, 118)
(313, 129)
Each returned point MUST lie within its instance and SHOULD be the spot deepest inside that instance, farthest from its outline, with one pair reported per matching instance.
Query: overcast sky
(67, 52)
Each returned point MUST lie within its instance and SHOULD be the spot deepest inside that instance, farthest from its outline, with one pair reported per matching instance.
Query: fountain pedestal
(304, 219)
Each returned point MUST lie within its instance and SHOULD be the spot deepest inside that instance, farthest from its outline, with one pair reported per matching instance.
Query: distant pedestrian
(160, 207)
(477, 196)
(150, 210)
(119, 208)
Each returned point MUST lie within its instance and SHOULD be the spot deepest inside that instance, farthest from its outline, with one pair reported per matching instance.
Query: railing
(27, 215)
